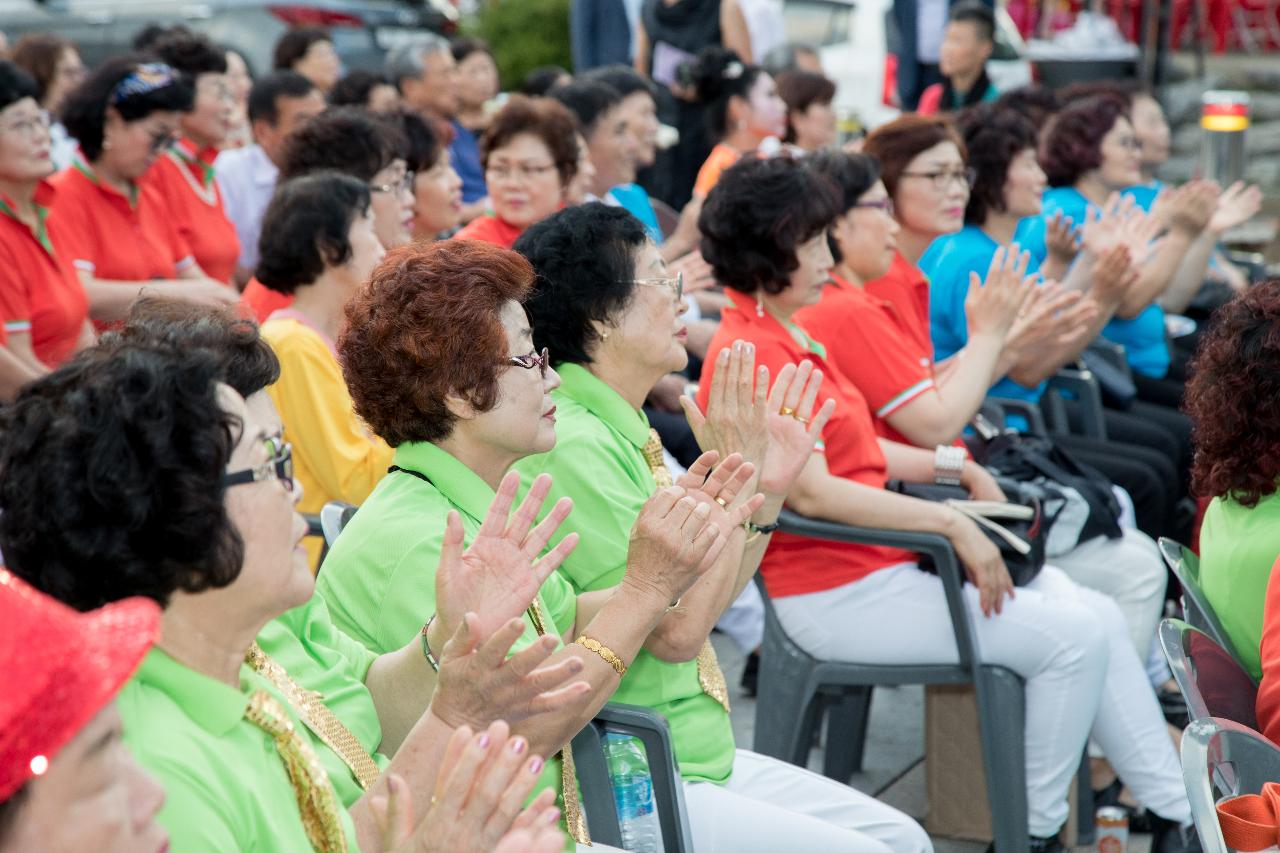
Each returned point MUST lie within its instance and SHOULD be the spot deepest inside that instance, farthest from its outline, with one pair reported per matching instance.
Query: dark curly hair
(111, 478)
(425, 139)
(305, 229)
(585, 258)
(852, 175)
(191, 53)
(548, 120)
(719, 74)
(1233, 399)
(354, 88)
(1072, 141)
(426, 326)
(1035, 102)
(343, 139)
(84, 113)
(994, 136)
(588, 100)
(247, 362)
(757, 215)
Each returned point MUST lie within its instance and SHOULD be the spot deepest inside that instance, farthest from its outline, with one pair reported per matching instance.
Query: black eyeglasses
(540, 360)
(884, 205)
(279, 467)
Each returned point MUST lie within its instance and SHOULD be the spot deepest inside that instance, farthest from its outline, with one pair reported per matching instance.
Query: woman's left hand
(792, 436)
(736, 420)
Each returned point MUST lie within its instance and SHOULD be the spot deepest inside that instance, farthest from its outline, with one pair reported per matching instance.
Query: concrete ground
(894, 761)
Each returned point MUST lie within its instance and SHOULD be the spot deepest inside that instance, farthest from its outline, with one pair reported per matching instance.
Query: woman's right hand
(483, 782)
(982, 562)
(479, 684)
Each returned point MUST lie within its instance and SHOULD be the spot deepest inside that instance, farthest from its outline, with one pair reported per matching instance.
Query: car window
(816, 22)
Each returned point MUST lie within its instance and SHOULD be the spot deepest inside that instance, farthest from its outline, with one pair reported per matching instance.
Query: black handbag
(1017, 527)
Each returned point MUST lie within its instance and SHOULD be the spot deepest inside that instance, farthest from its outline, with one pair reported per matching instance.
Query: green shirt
(379, 577)
(1238, 546)
(226, 787)
(598, 461)
(321, 658)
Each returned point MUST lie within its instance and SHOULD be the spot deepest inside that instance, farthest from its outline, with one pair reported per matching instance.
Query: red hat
(58, 668)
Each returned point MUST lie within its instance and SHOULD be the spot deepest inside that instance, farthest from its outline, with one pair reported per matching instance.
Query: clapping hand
(993, 307)
(483, 782)
(498, 577)
(737, 406)
(1112, 275)
(794, 427)
(1236, 205)
(1060, 239)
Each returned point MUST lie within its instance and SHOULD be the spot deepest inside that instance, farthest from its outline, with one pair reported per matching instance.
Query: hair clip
(733, 70)
(144, 79)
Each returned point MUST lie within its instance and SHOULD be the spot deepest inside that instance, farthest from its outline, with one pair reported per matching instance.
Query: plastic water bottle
(633, 793)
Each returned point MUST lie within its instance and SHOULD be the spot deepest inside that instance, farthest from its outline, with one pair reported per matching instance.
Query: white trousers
(1069, 643)
(1130, 572)
(768, 806)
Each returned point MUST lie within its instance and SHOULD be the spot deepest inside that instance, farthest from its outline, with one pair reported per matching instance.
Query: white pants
(768, 805)
(1130, 572)
(1069, 643)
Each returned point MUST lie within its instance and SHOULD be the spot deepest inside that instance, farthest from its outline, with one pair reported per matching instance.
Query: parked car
(856, 40)
(362, 31)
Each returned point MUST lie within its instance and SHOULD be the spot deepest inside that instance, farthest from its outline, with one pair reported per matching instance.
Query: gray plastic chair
(793, 686)
(1185, 565)
(1081, 385)
(597, 790)
(1212, 682)
(1223, 759)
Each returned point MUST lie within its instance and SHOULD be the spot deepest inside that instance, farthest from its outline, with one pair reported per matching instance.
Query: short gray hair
(406, 60)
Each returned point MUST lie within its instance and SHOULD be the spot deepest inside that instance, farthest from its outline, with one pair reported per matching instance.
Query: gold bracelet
(604, 651)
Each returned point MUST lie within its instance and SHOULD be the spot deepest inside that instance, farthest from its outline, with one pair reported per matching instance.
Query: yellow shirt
(335, 457)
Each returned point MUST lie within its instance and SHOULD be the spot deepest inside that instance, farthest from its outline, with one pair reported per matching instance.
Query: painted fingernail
(518, 745)
(535, 765)
(483, 741)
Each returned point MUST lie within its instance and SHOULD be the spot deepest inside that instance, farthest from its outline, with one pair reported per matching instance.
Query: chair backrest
(1213, 683)
(1185, 565)
(333, 517)
(598, 801)
(1223, 759)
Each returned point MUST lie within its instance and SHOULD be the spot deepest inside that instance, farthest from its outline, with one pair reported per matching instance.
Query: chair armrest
(1028, 410)
(1113, 353)
(1082, 385)
(935, 545)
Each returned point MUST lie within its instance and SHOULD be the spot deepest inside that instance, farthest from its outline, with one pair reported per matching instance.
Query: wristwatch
(948, 464)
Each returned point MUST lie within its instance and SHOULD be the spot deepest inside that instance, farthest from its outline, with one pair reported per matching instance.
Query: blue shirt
(1144, 195)
(948, 262)
(1143, 336)
(465, 154)
(634, 199)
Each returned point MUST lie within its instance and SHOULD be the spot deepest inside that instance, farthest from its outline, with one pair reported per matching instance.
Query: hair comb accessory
(144, 79)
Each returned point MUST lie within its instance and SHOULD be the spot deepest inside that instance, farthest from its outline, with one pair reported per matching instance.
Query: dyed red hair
(427, 325)
(904, 139)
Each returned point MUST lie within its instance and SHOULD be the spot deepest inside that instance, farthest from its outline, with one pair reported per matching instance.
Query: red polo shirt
(261, 301)
(907, 288)
(796, 565)
(40, 292)
(490, 229)
(874, 345)
(114, 237)
(183, 176)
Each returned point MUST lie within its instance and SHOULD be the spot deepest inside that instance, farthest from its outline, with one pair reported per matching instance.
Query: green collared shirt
(226, 787)
(320, 657)
(598, 461)
(379, 577)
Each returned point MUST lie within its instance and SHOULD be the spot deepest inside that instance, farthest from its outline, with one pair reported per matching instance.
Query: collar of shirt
(43, 200)
(198, 160)
(81, 165)
(215, 707)
(461, 486)
(580, 385)
(755, 326)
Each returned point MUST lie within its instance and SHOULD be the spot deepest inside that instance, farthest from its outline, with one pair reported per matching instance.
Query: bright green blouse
(226, 787)
(598, 461)
(1238, 547)
(321, 658)
(379, 578)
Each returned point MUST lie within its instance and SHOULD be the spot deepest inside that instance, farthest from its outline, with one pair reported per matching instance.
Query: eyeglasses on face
(404, 185)
(673, 282)
(525, 172)
(884, 205)
(278, 467)
(946, 177)
(30, 126)
(540, 360)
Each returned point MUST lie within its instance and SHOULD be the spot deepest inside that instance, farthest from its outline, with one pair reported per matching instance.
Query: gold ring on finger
(804, 421)
(723, 503)
(787, 410)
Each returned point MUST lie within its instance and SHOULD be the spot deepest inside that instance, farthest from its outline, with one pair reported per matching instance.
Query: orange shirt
(112, 236)
(490, 229)
(874, 345)
(720, 158)
(261, 301)
(184, 178)
(40, 292)
(795, 565)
